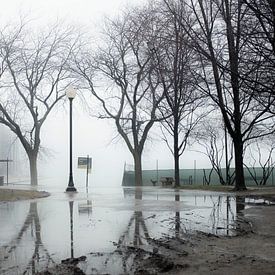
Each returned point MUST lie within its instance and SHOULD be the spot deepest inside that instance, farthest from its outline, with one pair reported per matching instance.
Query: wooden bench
(167, 181)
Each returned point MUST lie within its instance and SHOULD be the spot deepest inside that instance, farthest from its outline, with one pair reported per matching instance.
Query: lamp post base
(71, 189)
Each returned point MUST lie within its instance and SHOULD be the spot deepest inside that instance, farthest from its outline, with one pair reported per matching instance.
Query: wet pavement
(102, 229)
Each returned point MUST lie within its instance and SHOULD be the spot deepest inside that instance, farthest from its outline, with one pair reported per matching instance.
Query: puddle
(113, 229)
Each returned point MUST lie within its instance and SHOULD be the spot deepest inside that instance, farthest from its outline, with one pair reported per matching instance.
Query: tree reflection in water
(14, 251)
(223, 215)
(232, 222)
(151, 233)
(134, 241)
(242, 225)
(140, 232)
(177, 217)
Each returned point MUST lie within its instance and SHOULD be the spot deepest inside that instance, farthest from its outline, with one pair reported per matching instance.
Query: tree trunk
(177, 218)
(177, 170)
(176, 164)
(239, 180)
(33, 168)
(176, 152)
(138, 169)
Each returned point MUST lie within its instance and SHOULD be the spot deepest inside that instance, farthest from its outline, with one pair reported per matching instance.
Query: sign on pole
(85, 163)
(7, 162)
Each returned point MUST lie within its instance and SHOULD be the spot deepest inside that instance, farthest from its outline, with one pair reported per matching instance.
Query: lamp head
(71, 92)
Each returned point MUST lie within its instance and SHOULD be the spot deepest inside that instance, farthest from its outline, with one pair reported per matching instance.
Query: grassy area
(14, 195)
(217, 188)
(269, 190)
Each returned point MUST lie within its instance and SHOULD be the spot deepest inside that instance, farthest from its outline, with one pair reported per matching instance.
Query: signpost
(7, 162)
(85, 163)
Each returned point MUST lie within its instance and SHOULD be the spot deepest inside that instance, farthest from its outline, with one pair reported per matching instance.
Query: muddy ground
(251, 251)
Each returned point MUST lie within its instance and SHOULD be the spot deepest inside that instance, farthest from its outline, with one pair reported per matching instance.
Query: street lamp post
(71, 95)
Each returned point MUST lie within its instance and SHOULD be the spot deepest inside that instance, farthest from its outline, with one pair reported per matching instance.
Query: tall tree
(260, 29)
(33, 81)
(264, 12)
(123, 64)
(174, 60)
(217, 34)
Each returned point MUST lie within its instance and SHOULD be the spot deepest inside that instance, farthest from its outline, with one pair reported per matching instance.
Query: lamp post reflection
(71, 206)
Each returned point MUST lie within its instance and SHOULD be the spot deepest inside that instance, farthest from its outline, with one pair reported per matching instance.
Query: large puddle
(34, 235)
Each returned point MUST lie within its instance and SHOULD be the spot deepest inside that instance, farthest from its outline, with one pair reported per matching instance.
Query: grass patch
(217, 188)
(14, 194)
(225, 188)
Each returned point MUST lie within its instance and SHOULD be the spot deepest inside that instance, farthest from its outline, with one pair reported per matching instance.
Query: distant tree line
(201, 70)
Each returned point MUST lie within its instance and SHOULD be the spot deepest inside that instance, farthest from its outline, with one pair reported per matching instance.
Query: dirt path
(251, 253)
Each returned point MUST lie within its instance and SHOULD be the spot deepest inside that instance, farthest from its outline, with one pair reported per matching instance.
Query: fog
(90, 137)
(99, 139)
(74, 11)
(93, 137)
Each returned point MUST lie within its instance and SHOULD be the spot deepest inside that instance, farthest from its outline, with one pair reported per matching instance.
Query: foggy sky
(90, 136)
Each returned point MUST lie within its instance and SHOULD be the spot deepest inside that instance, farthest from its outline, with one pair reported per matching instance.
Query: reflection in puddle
(108, 228)
(23, 252)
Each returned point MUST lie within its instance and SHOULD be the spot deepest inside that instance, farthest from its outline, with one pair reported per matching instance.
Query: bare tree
(217, 34)
(33, 82)
(265, 164)
(174, 62)
(212, 139)
(123, 64)
(264, 11)
(260, 30)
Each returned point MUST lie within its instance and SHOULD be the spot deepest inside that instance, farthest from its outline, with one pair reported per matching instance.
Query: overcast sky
(91, 136)
(79, 11)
